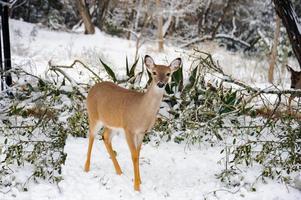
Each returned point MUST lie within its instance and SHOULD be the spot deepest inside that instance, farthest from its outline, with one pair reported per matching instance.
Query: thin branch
(217, 36)
(54, 67)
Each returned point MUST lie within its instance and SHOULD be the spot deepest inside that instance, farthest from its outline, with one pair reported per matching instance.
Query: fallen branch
(56, 67)
(208, 63)
(217, 36)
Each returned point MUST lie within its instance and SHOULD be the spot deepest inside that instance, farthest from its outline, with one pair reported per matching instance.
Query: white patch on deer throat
(159, 90)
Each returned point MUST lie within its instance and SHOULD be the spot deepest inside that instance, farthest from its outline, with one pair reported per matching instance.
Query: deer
(113, 107)
(295, 84)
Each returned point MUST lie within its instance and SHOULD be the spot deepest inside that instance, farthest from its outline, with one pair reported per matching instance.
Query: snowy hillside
(34, 47)
(169, 170)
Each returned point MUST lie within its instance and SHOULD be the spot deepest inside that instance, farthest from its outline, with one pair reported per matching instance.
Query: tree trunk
(160, 25)
(6, 44)
(285, 11)
(102, 9)
(84, 13)
(273, 57)
(139, 7)
(221, 19)
(202, 17)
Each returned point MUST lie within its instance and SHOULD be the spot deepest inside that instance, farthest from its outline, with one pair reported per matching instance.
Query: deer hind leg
(135, 151)
(108, 144)
(92, 131)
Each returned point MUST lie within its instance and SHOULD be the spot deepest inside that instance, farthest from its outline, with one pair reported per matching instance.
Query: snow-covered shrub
(37, 116)
(227, 115)
(78, 124)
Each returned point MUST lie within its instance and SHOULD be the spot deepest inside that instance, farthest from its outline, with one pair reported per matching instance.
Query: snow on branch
(9, 3)
(217, 36)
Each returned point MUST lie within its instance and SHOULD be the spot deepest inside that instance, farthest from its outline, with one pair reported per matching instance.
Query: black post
(6, 43)
(2, 81)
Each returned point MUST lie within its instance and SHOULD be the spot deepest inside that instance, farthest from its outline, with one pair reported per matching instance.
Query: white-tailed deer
(115, 107)
(295, 84)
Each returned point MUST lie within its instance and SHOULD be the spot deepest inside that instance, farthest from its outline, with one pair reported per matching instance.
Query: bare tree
(273, 56)
(160, 25)
(84, 13)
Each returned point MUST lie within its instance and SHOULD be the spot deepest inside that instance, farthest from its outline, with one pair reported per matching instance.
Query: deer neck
(153, 97)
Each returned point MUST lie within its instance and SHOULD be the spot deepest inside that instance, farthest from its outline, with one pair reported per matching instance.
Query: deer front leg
(135, 159)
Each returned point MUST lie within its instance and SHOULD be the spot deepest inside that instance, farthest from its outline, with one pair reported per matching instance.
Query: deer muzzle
(160, 84)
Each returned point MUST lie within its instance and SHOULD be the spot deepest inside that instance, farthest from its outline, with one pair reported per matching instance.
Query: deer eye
(168, 74)
(155, 73)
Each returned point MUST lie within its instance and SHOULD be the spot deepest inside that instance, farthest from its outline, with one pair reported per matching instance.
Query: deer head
(295, 78)
(161, 73)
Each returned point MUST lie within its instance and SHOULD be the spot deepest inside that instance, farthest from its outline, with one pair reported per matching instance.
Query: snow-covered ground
(169, 171)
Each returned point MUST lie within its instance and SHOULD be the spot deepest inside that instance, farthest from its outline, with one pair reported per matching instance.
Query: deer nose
(160, 84)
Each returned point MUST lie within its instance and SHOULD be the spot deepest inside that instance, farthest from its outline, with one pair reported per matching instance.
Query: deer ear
(149, 63)
(289, 69)
(175, 64)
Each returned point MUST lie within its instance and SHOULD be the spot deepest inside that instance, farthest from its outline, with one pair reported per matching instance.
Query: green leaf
(127, 67)
(178, 139)
(177, 78)
(109, 71)
(218, 136)
(132, 71)
(193, 76)
(168, 89)
(41, 84)
(231, 98)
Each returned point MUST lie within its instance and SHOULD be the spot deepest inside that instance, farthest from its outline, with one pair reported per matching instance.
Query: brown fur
(295, 83)
(134, 112)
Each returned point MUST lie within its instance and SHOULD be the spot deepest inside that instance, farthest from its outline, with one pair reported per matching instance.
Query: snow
(169, 170)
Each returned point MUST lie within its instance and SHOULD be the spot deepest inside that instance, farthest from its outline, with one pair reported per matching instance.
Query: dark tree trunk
(285, 11)
(1, 60)
(102, 9)
(6, 44)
